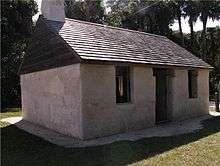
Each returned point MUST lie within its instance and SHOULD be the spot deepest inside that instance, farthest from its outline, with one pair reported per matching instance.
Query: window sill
(128, 103)
(193, 98)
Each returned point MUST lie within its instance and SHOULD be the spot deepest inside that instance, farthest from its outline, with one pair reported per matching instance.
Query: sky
(35, 17)
(175, 26)
(197, 26)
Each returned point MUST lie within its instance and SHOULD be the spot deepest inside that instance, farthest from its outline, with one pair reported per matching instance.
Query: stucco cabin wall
(183, 106)
(101, 115)
(80, 100)
(52, 98)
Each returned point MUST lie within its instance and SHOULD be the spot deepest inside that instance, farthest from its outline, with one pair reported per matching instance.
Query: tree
(208, 9)
(192, 11)
(177, 7)
(16, 28)
(149, 16)
(87, 10)
(213, 56)
(123, 13)
(159, 17)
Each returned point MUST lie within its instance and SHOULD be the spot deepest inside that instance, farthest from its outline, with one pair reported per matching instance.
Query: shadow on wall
(18, 145)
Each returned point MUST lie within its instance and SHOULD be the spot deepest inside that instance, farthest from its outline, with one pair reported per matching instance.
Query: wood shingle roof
(56, 44)
(104, 43)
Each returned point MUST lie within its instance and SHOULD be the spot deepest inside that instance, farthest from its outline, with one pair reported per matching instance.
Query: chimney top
(53, 10)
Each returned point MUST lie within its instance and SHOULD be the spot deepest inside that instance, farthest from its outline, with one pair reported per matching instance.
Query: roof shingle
(100, 42)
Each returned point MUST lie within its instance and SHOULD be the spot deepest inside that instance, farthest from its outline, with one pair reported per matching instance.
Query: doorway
(161, 95)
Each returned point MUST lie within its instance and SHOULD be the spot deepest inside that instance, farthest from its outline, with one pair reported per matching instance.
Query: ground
(198, 148)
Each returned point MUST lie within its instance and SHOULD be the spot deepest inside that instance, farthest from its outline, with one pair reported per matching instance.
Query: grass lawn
(198, 148)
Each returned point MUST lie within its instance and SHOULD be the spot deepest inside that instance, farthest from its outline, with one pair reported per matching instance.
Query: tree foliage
(156, 18)
(87, 10)
(213, 56)
(177, 7)
(16, 28)
(191, 10)
(208, 9)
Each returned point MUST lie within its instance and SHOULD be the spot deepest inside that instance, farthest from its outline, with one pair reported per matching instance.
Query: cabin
(88, 80)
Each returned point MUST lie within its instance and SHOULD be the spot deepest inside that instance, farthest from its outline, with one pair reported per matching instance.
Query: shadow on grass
(22, 148)
(15, 109)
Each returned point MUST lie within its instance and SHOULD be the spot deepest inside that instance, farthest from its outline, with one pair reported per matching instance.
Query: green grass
(9, 112)
(198, 148)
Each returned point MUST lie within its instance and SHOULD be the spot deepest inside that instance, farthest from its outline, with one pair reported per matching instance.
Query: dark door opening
(161, 95)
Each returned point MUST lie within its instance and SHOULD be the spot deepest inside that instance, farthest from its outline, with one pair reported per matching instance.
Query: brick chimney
(53, 10)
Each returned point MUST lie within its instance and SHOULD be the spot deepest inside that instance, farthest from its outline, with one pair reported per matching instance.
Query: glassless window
(192, 84)
(123, 84)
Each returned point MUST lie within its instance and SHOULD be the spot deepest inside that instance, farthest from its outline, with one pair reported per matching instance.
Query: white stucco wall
(80, 100)
(52, 98)
(183, 106)
(101, 115)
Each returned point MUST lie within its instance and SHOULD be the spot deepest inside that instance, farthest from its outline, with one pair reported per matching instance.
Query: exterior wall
(51, 98)
(80, 100)
(183, 106)
(101, 115)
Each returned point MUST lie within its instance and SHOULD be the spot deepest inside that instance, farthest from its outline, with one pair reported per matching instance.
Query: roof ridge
(112, 27)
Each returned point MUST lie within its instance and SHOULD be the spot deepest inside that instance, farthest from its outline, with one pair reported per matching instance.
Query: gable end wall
(52, 98)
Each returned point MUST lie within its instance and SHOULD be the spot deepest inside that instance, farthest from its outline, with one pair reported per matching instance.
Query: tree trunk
(203, 35)
(191, 32)
(217, 97)
(217, 101)
(180, 29)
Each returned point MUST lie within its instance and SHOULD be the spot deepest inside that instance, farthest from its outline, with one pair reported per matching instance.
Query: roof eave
(110, 62)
